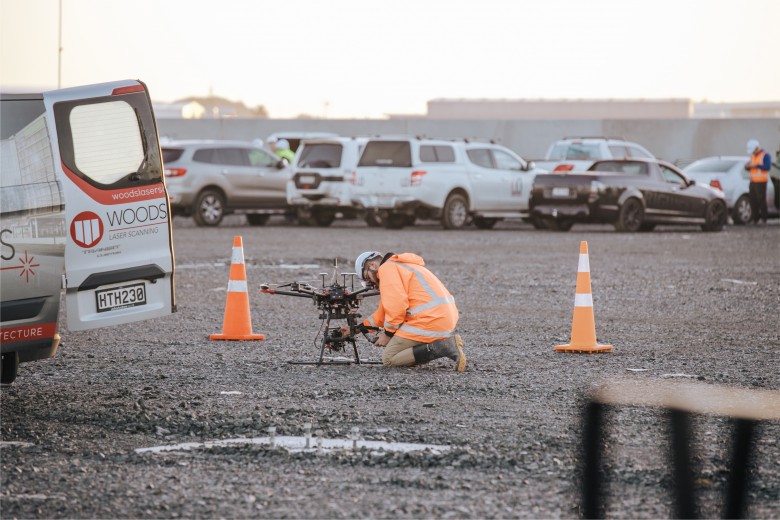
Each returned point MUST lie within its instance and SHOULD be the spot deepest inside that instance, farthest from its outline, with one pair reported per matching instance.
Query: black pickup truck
(632, 194)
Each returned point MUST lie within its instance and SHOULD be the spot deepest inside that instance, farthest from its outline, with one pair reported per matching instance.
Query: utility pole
(59, 48)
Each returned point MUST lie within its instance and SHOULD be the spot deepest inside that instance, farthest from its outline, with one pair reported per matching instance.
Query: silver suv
(323, 173)
(210, 179)
(579, 153)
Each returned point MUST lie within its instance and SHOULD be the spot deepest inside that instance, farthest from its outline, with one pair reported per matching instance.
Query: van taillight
(564, 168)
(352, 178)
(175, 172)
(416, 178)
(715, 183)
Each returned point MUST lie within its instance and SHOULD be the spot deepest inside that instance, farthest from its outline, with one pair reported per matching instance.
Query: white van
(83, 207)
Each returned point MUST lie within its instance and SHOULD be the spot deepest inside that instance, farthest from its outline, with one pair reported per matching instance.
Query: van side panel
(32, 231)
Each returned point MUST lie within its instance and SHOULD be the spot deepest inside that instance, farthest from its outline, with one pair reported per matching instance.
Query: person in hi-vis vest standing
(759, 165)
(416, 311)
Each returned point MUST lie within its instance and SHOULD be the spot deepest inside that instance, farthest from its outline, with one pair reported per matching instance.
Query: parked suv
(404, 178)
(210, 179)
(323, 172)
(579, 153)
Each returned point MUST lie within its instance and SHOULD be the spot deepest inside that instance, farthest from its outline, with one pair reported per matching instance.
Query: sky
(371, 58)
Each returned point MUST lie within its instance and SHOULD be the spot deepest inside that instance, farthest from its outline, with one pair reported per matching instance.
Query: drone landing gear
(334, 341)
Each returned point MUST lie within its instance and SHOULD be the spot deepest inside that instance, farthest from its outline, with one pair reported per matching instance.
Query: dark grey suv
(210, 179)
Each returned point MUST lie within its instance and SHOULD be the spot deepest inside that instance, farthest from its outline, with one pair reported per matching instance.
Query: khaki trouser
(398, 352)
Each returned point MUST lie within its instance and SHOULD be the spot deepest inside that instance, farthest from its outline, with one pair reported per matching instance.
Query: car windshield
(575, 152)
(711, 166)
(320, 155)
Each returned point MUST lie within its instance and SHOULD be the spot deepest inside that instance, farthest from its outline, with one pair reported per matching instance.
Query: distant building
(206, 108)
(498, 109)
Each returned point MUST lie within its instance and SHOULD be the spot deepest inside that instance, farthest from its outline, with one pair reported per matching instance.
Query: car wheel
(373, 219)
(485, 223)
(395, 221)
(742, 211)
(631, 216)
(455, 213)
(715, 216)
(256, 219)
(9, 365)
(646, 227)
(558, 225)
(209, 208)
(538, 223)
(324, 218)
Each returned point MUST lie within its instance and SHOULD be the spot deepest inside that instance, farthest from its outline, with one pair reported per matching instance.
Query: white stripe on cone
(238, 256)
(237, 286)
(584, 265)
(583, 300)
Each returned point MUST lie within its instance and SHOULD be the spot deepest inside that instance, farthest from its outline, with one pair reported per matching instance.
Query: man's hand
(382, 340)
(344, 330)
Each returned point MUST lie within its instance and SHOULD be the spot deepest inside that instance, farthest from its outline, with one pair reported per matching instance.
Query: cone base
(587, 350)
(237, 337)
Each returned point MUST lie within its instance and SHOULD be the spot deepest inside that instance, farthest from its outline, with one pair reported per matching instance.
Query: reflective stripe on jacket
(757, 165)
(413, 303)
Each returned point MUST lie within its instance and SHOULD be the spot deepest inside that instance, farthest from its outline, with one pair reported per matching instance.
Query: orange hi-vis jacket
(756, 173)
(413, 303)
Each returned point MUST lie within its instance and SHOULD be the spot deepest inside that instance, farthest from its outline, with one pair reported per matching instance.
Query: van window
(106, 140)
(102, 141)
(320, 155)
(387, 153)
(28, 181)
(437, 153)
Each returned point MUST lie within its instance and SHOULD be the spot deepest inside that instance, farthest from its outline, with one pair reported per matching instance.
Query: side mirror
(691, 182)
(282, 164)
(530, 165)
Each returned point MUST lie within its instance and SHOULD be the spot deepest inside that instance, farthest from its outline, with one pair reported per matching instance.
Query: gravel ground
(677, 302)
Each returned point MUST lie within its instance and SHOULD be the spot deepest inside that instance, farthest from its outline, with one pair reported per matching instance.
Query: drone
(335, 301)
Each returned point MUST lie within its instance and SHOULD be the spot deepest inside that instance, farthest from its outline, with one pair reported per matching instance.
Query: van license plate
(307, 179)
(560, 192)
(121, 297)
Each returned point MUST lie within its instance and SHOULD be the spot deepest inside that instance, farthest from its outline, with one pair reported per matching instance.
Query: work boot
(451, 347)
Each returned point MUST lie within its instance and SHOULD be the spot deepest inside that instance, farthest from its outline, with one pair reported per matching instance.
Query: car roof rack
(594, 137)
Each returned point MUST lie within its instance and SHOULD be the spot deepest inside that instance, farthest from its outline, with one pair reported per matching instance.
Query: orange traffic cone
(237, 324)
(583, 325)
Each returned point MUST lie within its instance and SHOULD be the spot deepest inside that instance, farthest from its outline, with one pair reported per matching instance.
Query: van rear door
(119, 246)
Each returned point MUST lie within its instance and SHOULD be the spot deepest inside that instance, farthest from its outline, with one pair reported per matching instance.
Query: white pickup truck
(401, 179)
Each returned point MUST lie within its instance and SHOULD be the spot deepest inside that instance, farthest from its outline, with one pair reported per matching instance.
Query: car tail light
(175, 172)
(416, 178)
(564, 168)
(715, 183)
(351, 178)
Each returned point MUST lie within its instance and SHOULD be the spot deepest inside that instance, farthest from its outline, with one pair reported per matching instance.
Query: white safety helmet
(752, 145)
(282, 144)
(361, 262)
